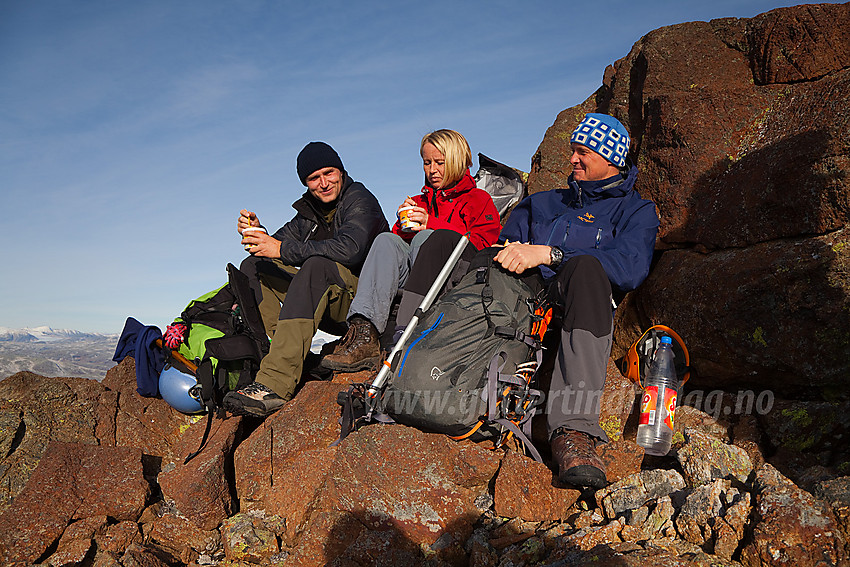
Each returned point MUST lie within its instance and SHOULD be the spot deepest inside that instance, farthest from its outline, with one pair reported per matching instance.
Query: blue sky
(131, 133)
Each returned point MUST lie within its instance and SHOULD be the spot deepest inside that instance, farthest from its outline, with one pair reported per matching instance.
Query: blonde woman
(448, 206)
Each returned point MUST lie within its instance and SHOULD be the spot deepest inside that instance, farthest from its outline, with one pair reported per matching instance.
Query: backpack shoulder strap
(248, 307)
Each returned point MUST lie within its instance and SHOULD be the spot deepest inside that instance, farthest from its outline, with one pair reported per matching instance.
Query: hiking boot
(578, 464)
(255, 399)
(360, 349)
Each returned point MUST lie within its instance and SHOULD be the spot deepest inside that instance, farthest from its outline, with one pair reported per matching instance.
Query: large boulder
(422, 487)
(761, 316)
(73, 481)
(147, 423)
(200, 487)
(741, 142)
(283, 464)
(35, 410)
(792, 527)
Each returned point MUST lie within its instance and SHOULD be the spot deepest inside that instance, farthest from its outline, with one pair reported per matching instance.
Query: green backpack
(225, 338)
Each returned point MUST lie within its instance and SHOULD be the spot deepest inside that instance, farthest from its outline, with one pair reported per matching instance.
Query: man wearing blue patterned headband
(593, 242)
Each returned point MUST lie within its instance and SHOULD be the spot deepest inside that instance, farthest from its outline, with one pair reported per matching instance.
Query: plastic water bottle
(658, 403)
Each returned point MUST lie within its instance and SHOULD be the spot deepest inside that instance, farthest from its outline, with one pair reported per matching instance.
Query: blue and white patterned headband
(605, 135)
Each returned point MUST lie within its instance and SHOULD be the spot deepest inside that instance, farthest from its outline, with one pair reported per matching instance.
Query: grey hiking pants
(385, 271)
(581, 288)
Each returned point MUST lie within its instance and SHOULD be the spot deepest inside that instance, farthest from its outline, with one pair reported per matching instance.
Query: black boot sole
(365, 364)
(238, 408)
(584, 475)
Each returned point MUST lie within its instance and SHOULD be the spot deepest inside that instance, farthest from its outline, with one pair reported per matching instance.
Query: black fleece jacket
(357, 221)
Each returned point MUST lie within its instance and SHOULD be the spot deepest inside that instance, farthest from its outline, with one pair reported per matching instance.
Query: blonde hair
(455, 149)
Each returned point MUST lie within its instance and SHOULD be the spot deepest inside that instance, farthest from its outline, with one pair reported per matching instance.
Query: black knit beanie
(315, 156)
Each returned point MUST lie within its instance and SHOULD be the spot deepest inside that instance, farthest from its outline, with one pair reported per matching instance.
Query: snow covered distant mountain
(15, 336)
(56, 352)
(44, 333)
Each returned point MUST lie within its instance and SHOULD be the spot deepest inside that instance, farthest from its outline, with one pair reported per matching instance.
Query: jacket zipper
(312, 230)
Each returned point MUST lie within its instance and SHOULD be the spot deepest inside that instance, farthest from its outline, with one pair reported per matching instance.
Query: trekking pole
(384, 372)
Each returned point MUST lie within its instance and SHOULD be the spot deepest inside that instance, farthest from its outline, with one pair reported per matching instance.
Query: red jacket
(462, 208)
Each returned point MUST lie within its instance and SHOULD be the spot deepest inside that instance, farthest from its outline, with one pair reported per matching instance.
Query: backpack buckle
(506, 332)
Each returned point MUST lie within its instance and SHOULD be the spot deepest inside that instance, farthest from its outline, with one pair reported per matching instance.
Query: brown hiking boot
(578, 464)
(360, 349)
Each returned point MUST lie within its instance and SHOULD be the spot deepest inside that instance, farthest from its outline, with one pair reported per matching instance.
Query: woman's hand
(416, 214)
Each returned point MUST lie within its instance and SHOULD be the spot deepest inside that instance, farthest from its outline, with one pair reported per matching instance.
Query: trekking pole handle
(384, 372)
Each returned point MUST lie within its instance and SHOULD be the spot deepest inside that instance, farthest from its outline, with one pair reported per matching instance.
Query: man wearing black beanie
(305, 273)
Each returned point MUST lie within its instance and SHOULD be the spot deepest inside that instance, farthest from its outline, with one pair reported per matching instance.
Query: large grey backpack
(468, 370)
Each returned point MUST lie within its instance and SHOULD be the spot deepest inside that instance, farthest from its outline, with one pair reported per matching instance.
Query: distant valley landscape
(62, 353)
(56, 352)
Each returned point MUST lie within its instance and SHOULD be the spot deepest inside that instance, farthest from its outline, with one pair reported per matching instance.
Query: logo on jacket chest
(587, 217)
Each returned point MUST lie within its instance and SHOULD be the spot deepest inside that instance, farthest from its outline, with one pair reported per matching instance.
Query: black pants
(430, 260)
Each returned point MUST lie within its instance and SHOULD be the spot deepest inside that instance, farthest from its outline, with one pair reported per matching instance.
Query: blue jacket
(605, 219)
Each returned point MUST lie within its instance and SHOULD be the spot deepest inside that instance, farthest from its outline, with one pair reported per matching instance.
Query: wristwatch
(556, 256)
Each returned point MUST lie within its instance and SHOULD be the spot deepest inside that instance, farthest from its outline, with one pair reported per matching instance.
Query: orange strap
(469, 433)
(633, 372)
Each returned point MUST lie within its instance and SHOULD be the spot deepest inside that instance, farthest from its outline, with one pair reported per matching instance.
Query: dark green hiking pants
(293, 304)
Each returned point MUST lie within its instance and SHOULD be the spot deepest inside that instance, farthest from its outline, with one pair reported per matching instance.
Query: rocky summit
(740, 130)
